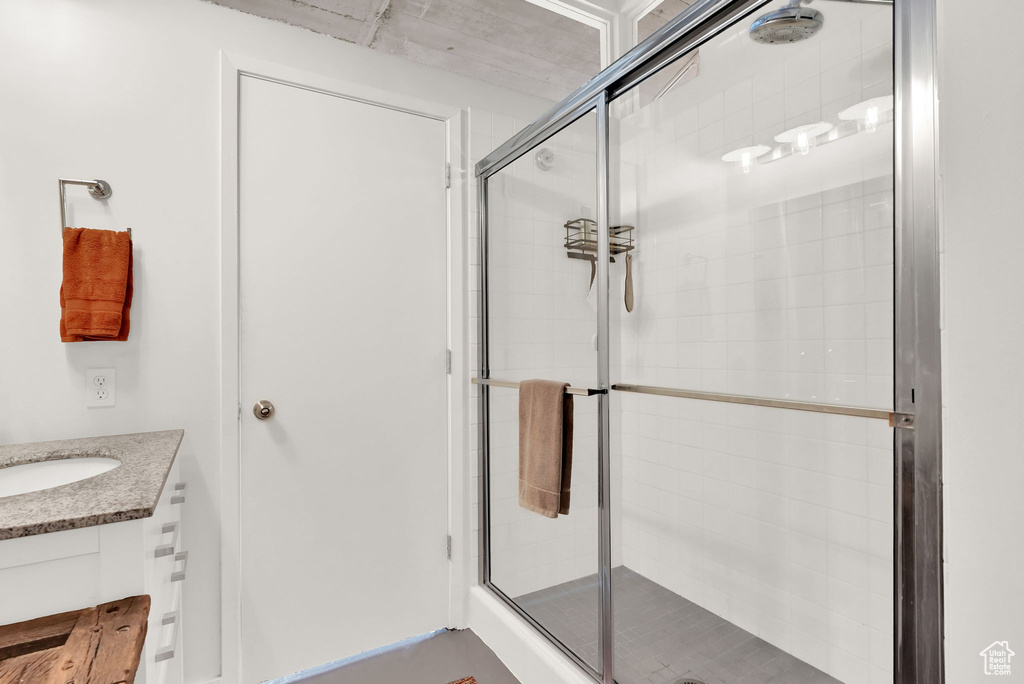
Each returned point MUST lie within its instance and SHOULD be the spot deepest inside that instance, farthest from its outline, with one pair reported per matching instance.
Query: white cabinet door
(343, 319)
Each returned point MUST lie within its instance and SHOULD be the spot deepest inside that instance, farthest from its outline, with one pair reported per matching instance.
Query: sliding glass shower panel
(755, 543)
(745, 242)
(543, 324)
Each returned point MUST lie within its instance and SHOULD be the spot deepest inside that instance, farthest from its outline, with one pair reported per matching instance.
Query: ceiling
(681, 71)
(660, 15)
(510, 43)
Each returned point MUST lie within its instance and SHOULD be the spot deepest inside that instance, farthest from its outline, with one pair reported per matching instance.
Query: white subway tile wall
(774, 283)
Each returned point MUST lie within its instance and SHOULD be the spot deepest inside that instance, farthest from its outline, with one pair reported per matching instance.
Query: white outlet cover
(100, 387)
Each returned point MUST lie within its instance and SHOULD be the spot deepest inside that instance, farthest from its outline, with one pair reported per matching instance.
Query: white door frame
(233, 67)
(590, 14)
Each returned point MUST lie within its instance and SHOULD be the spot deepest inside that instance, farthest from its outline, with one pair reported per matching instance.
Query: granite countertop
(128, 492)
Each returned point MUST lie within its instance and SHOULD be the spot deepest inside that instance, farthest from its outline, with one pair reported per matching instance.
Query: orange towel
(96, 294)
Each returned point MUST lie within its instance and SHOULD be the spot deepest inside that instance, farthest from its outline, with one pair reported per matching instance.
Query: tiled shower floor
(662, 637)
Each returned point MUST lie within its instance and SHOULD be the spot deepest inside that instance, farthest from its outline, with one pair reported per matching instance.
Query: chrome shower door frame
(594, 103)
(918, 609)
(918, 614)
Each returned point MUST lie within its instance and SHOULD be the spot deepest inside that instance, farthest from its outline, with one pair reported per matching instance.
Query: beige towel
(545, 446)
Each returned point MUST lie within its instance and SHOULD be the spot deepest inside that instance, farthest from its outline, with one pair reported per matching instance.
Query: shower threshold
(661, 637)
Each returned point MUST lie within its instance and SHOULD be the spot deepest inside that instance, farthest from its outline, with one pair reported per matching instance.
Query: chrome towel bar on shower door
(511, 384)
(900, 420)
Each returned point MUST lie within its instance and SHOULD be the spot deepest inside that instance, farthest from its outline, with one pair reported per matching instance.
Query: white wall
(128, 91)
(981, 93)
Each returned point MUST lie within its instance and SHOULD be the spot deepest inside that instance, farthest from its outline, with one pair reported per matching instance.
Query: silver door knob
(263, 409)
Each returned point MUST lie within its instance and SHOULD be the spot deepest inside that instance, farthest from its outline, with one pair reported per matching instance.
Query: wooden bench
(100, 645)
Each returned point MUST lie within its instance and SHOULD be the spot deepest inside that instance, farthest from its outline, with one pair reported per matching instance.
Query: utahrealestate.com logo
(997, 658)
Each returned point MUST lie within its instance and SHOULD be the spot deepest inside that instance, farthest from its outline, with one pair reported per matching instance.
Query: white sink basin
(32, 477)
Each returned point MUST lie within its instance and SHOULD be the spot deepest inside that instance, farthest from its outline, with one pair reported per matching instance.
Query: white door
(343, 317)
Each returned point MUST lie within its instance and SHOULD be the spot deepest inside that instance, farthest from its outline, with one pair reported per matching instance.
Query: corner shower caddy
(581, 236)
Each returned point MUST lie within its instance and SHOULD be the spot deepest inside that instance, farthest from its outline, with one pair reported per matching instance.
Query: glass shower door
(542, 323)
(754, 528)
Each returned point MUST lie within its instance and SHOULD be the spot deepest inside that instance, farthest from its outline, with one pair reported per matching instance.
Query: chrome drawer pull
(179, 575)
(180, 490)
(167, 652)
(167, 549)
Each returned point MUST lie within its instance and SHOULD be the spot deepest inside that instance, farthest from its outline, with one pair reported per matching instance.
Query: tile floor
(444, 657)
(662, 638)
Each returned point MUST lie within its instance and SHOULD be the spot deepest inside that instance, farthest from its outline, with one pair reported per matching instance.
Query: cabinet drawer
(162, 655)
(164, 536)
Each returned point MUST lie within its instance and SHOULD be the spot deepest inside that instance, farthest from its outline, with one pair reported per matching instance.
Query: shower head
(793, 22)
(789, 24)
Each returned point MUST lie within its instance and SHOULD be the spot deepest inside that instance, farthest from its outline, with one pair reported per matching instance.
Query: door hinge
(449, 547)
(239, 411)
(447, 175)
(448, 361)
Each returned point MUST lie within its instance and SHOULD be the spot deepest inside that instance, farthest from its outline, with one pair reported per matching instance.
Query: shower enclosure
(735, 269)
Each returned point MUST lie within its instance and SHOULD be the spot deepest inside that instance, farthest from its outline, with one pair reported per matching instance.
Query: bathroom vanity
(98, 532)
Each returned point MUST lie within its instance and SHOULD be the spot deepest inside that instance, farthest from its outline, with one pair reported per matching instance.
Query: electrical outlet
(99, 387)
